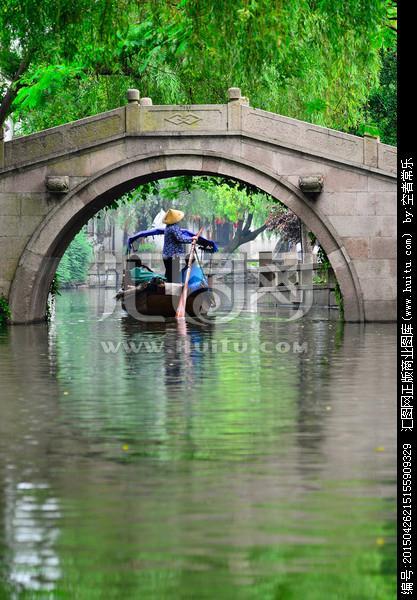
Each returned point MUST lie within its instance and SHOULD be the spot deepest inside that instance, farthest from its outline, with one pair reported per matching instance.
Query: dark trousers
(172, 269)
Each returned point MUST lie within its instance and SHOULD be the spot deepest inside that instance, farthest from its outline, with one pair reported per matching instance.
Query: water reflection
(31, 516)
(253, 459)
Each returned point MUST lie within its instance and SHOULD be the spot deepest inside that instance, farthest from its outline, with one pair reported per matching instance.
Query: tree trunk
(305, 244)
(242, 236)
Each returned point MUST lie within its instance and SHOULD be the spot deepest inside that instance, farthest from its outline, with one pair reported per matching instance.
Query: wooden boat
(159, 298)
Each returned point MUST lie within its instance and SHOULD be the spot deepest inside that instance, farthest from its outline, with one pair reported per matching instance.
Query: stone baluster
(132, 111)
(133, 96)
(370, 150)
(267, 270)
(234, 108)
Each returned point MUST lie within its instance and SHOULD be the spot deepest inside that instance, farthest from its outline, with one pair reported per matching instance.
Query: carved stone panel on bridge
(99, 129)
(30, 148)
(334, 144)
(387, 158)
(303, 135)
(177, 119)
(180, 119)
(271, 126)
(65, 138)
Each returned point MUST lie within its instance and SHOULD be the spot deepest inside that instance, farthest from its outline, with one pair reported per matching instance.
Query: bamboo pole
(180, 314)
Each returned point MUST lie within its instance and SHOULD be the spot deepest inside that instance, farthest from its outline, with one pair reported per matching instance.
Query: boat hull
(159, 303)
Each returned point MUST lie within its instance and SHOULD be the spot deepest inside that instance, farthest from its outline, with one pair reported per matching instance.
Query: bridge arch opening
(40, 259)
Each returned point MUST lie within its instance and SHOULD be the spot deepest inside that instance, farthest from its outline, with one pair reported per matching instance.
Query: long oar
(180, 314)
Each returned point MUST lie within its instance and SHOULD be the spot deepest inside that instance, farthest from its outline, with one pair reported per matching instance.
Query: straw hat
(172, 216)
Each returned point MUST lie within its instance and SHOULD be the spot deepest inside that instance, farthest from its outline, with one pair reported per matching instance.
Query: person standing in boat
(174, 241)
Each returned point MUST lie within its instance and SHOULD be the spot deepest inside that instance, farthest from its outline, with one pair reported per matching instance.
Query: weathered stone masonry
(52, 182)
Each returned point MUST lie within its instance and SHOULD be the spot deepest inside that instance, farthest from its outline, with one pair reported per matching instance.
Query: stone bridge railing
(141, 118)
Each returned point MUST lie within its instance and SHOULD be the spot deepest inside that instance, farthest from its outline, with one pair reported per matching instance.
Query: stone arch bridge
(343, 188)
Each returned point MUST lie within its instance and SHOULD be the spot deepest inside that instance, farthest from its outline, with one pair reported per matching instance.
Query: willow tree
(315, 60)
(44, 46)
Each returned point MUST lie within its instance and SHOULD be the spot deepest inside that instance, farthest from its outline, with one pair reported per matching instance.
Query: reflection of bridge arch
(52, 182)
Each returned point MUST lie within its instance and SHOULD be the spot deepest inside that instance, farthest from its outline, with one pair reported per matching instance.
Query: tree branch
(254, 234)
(243, 238)
(248, 223)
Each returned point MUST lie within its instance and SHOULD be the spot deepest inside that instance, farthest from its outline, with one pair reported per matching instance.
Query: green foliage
(5, 313)
(201, 198)
(206, 200)
(41, 83)
(147, 247)
(75, 263)
(135, 209)
(316, 61)
(216, 197)
(54, 291)
(381, 109)
(339, 301)
(322, 259)
(323, 274)
(35, 36)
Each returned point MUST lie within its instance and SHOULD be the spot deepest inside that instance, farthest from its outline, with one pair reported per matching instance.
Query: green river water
(251, 459)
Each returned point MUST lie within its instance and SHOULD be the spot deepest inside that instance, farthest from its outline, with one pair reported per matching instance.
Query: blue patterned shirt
(173, 241)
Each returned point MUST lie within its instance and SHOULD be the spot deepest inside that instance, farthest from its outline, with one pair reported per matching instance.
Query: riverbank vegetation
(5, 313)
(73, 267)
